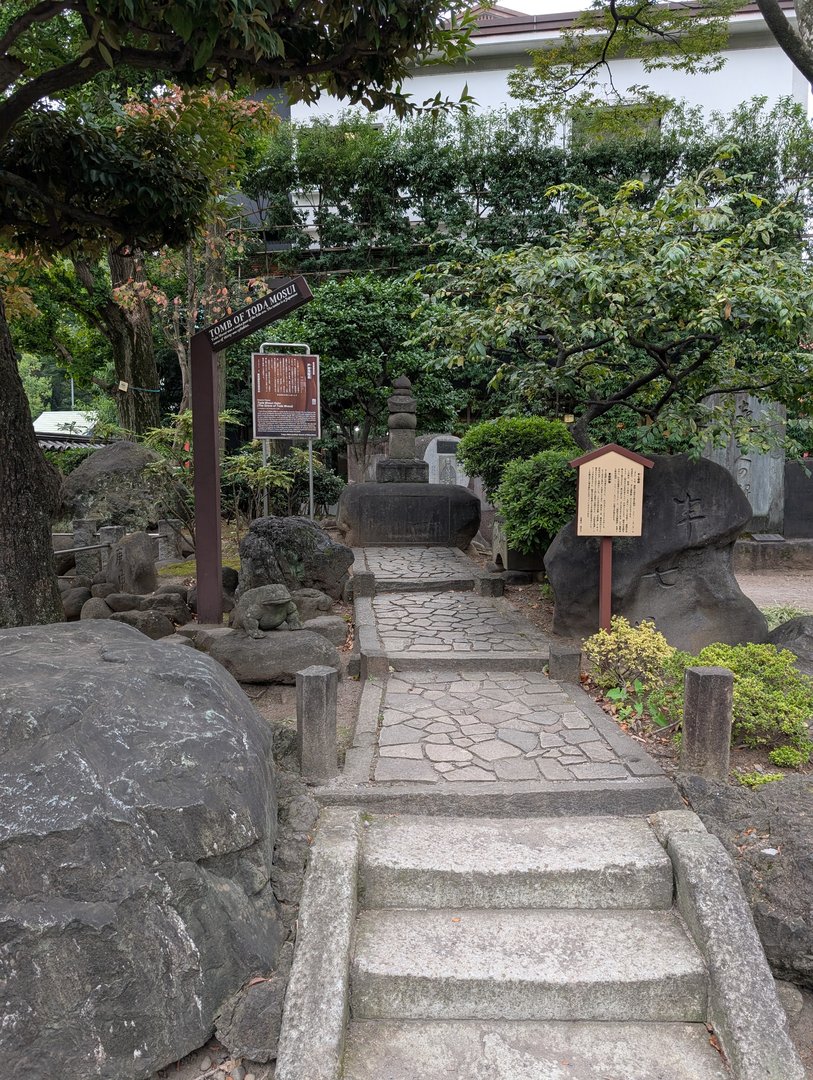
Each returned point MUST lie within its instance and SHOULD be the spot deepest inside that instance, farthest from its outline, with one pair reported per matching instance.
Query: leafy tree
(361, 328)
(663, 311)
(72, 178)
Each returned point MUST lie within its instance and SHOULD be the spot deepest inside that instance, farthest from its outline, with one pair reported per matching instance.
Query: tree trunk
(130, 333)
(29, 493)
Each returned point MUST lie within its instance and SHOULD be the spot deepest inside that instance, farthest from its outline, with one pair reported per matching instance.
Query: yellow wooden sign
(611, 492)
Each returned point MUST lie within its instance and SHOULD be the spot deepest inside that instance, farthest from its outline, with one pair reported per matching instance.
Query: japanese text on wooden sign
(285, 392)
(611, 497)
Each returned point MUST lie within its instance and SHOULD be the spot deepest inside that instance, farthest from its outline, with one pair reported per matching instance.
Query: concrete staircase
(538, 949)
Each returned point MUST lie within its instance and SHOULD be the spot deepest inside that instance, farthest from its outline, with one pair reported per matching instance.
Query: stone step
(449, 964)
(505, 1050)
(443, 862)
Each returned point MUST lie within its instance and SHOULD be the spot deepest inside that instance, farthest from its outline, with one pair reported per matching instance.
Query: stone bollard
(85, 534)
(565, 663)
(110, 535)
(316, 688)
(490, 585)
(707, 715)
(168, 539)
(363, 584)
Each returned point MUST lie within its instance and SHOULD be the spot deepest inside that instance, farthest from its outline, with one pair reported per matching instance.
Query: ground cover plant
(638, 676)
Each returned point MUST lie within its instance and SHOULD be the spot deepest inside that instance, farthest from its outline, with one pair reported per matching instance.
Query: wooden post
(605, 583)
(206, 445)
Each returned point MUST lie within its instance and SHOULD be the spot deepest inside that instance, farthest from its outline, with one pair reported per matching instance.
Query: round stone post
(707, 715)
(316, 688)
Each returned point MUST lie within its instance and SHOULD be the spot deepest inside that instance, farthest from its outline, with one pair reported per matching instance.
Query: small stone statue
(268, 607)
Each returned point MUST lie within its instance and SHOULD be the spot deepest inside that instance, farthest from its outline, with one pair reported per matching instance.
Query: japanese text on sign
(611, 497)
(285, 390)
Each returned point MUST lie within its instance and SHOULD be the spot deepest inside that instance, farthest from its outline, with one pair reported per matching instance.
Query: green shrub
(486, 449)
(756, 779)
(67, 460)
(789, 757)
(777, 614)
(536, 498)
(625, 653)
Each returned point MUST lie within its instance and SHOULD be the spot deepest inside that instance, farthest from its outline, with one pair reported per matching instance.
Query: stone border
(359, 758)
(751, 557)
(744, 1009)
(633, 754)
(373, 658)
(520, 798)
(317, 1001)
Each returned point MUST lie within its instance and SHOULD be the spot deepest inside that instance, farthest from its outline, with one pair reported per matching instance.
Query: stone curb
(744, 1009)
(359, 758)
(398, 585)
(317, 1001)
(510, 799)
(474, 661)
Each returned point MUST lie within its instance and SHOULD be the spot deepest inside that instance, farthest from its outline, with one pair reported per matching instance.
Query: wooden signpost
(287, 294)
(610, 503)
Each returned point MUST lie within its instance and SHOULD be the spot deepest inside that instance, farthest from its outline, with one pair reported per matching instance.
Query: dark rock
(115, 485)
(798, 499)
(119, 601)
(81, 581)
(137, 838)
(273, 658)
(678, 572)
(332, 627)
(152, 623)
(778, 817)
(311, 603)
(192, 600)
(231, 579)
(73, 601)
(408, 514)
(64, 561)
(95, 608)
(170, 604)
(495, 568)
(517, 577)
(103, 590)
(179, 590)
(100, 578)
(796, 635)
(249, 1023)
(300, 814)
(295, 552)
(131, 566)
(64, 585)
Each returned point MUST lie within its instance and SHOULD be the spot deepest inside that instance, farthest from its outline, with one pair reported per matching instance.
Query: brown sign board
(611, 492)
(286, 294)
(285, 394)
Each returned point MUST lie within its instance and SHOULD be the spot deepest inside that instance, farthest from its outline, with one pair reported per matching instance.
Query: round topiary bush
(537, 498)
(487, 448)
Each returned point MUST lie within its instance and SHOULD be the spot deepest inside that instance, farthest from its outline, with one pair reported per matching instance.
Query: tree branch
(787, 37)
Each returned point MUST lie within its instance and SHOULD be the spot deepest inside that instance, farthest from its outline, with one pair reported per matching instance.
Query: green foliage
(773, 701)
(37, 386)
(777, 614)
(67, 460)
(537, 498)
(625, 654)
(662, 309)
(790, 757)
(487, 448)
(361, 328)
(245, 480)
(755, 779)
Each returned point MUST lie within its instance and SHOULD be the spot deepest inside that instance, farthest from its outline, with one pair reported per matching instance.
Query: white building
(754, 66)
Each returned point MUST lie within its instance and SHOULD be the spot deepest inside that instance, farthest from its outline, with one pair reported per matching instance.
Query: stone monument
(401, 466)
(402, 507)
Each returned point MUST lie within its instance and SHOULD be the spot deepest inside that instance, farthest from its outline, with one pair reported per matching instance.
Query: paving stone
(581, 735)
(599, 751)
(413, 751)
(525, 740)
(471, 772)
(439, 739)
(573, 720)
(393, 769)
(446, 753)
(549, 739)
(435, 729)
(551, 770)
(516, 769)
(400, 733)
(599, 771)
(495, 750)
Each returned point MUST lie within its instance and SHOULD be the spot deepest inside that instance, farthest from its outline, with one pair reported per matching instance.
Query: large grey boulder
(117, 486)
(678, 572)
(796, 635)
(273, 658)
(769, 835)
(295, 552)
(131, 564)
(154, 624)
(137, 826)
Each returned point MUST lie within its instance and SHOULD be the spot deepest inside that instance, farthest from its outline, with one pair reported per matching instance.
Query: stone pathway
(452, 622)
(491, 726)
(456, 701)
(402, 568)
